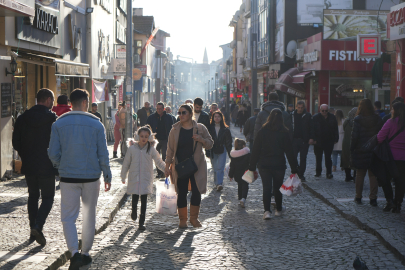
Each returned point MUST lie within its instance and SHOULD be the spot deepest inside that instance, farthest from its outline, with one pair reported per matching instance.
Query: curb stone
(381, 235)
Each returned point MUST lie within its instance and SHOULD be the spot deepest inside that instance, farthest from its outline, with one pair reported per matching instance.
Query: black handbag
(370, 144)
(187, 167)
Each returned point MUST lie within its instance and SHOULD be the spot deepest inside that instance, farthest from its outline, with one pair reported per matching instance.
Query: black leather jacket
(224, 138)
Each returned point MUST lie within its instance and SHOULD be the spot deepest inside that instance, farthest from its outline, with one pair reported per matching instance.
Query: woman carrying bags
(185, 146)
(395, 127)
(222, 137)
(271, 143)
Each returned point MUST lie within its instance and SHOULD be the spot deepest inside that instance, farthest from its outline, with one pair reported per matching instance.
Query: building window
(138, 47)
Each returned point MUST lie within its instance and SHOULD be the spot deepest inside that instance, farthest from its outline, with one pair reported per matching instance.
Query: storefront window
(20, 87)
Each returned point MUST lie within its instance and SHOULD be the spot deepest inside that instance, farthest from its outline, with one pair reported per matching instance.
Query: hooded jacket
(364, 127)
(264, 114)
(139, 163)
(31, 136)
(239, 163)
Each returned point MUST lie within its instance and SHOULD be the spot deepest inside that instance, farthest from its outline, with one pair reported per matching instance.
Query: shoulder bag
(187, 167)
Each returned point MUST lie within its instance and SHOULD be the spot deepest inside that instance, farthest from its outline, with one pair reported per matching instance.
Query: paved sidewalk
(309, 235)
(17, 252)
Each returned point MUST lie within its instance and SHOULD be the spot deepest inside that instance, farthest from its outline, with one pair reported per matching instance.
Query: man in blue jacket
(161, 124)
(78, 149)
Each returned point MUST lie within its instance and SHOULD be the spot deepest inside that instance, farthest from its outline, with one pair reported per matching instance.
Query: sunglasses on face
(324, 110)
(182, 113)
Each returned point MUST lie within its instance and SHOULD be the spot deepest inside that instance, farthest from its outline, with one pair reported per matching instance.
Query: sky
(193, 25)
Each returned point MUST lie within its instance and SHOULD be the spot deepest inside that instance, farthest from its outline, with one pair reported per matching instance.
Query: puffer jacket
(239, 163)
(364, 128)
(224, 138)
(139, 163)
(266, 110)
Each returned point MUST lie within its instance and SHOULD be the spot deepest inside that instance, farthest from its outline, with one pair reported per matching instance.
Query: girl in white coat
(139, 162)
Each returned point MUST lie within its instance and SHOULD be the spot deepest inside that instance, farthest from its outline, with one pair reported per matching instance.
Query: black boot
(389, 206)
(134, 214)
(349, 176)
(397, 208)
(142, 222)
(115, 154)
(373, 202)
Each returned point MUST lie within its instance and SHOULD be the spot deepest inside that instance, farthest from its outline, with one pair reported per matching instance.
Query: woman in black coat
(366, 124)
(271, 143)
(222, 137)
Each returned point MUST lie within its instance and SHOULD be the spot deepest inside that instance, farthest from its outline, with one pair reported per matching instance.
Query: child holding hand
(139, 162)
(240, 158)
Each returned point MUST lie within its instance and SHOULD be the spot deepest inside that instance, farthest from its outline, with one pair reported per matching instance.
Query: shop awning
(62, 67)
(286, 83)
(299, 78)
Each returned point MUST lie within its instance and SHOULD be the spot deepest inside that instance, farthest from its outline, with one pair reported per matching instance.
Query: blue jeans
(335, 157)
(218, 164)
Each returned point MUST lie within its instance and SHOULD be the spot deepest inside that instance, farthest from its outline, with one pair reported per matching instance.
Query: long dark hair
(222, 123)
(365, 108)
(399, 111)
(148, 129)
(275, 121)
(339, 117)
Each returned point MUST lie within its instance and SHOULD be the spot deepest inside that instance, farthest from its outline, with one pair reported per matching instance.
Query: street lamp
(216, 87)
(13, 67)
(228, 87)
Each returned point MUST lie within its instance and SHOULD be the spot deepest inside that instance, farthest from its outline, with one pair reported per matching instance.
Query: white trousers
(70, 207)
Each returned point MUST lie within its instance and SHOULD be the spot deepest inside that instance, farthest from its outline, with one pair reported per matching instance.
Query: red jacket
(61, 109)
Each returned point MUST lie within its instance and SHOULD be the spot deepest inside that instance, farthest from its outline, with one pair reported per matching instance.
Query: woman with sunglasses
(222, 137)
(184, 137)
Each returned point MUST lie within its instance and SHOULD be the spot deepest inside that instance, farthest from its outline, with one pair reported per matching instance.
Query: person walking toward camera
(240, 158)
(337, 149)
(326, 135)
(272, 142)
(139, 162)
(78, 149)
(222, 137)
(185, 146)
(366, 124)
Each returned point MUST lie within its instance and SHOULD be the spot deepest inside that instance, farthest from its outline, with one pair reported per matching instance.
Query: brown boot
(194, 211)
(182, 217)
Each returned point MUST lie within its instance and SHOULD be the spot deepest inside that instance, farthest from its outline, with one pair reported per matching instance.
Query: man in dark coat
(326, 134)
(31, 136)
(302, 135)
(249, 128)
(144, 113)
(267, 108)
(161, 124)
(199, 115)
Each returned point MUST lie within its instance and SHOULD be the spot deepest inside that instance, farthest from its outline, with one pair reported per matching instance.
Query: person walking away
(94, 111)
(62, 105)
(271, 144)
(117, 133)
(377, 108)
(232, 107)
(366, 124)
(222, 137)
(187, 140)
(78, 149)
(240, 158)
(214, 108)
(249, 128)
(267, 107)
(242, 116)
(345, 156)
(144, 113)
(161, 123)
(122, 117)
(337, 148)
(234, 114)
(139, 162)
(199, 115)
(388, 116)
(31, 136)
(393, 126)
(302, 135)
(326, 135)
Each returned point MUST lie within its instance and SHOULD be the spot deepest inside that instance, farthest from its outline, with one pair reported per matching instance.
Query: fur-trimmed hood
(131, 142)
(239, 153)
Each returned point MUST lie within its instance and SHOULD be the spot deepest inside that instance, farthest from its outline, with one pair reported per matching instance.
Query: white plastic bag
(166, 198)
(226, 170)
(292, 186)
(250, 176)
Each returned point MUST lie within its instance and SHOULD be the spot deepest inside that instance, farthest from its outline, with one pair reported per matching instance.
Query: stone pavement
(310, 235)
(17, 252)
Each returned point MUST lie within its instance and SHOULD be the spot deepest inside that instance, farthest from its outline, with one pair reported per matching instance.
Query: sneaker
(39, 236)
(278, 213)
(219, 187)
(86, 259)
(267, 215)
(242, 202)
(76, 261)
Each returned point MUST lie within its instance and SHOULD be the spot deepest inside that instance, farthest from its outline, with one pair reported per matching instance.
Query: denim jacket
(78, 147)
